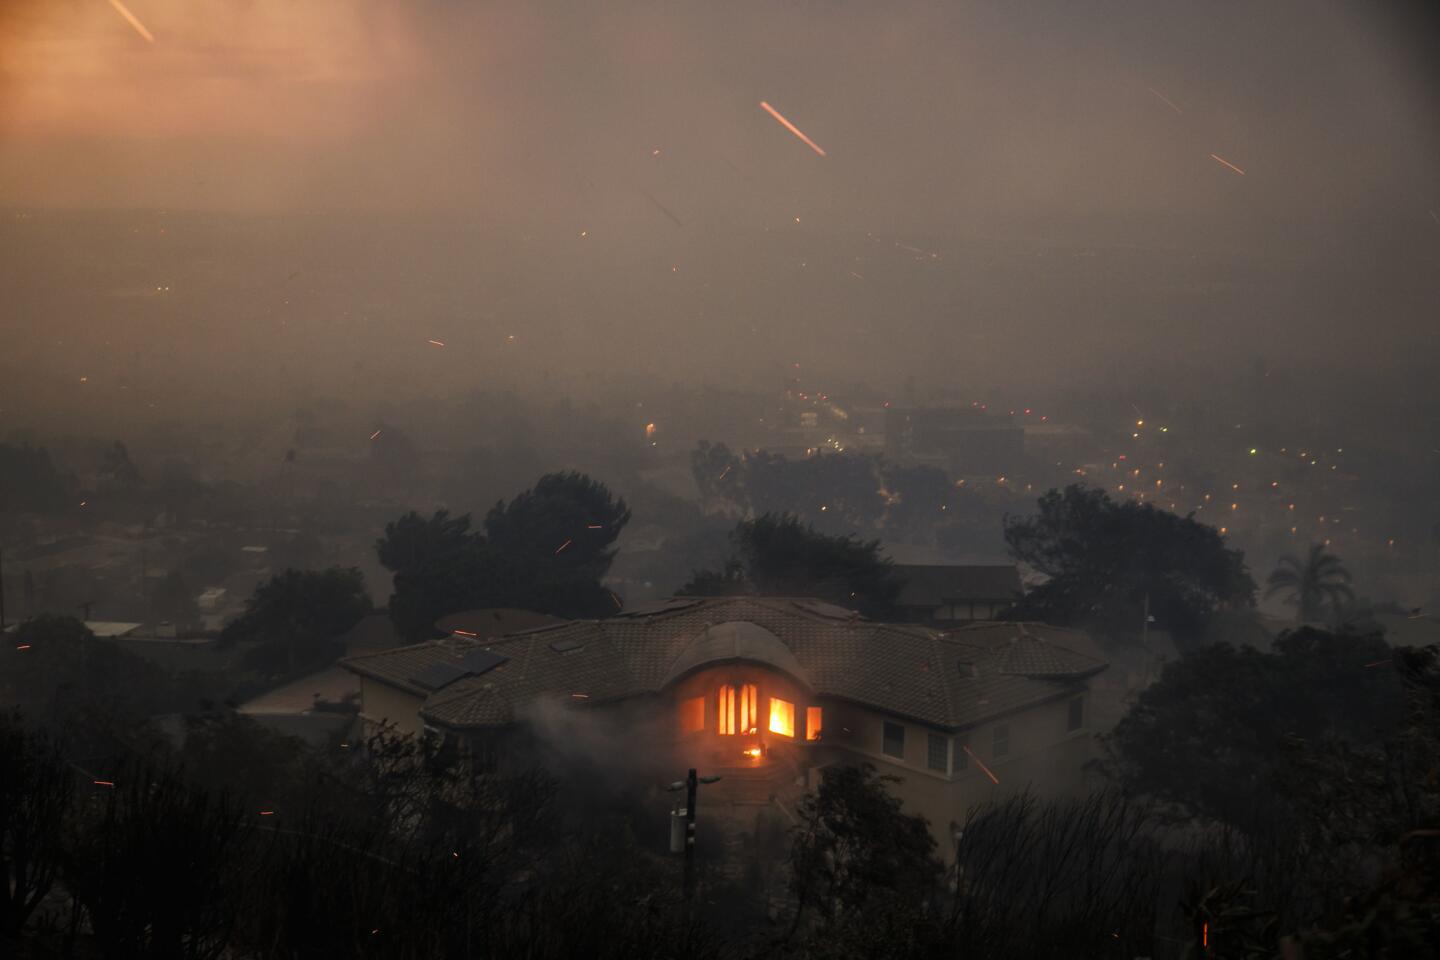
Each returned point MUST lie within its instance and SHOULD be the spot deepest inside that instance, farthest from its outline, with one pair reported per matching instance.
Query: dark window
(962, 759)
(894, 745)
(1001, 744)
(1076, 720)
(937, 749)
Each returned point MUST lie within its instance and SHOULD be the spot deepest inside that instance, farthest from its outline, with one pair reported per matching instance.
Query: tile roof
(932, 585)
(951, 679)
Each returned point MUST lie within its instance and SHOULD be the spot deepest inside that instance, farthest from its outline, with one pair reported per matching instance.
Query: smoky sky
(1011, 190)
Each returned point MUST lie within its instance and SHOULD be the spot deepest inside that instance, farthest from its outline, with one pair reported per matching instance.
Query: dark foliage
(546, 550)
(1105, 559)
(37, 788)
(296, 617)
(1211, 733)
(551, 545)
(855, 853)
(779, 556)
(1058, 878)
(438, 565)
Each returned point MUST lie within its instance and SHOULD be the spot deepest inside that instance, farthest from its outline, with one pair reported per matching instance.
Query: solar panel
(477, 662)
(438, 675)
(566, 644)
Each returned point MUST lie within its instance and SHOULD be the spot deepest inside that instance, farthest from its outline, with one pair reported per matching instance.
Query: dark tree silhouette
(296, 616)
(1312, 584)
(1105, 560)
(37, 789)
(779, 556)
(855, 852)
(551, 545)
(1210, 736)
(437, 563)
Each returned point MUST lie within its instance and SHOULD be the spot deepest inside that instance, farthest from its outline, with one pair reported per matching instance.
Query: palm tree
(1320, 579)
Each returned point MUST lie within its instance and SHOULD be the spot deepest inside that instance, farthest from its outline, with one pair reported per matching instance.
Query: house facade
(764, 692)
(945, 594)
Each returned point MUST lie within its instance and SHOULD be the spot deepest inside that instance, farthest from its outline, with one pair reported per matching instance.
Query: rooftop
(951, 679)
(933, 585)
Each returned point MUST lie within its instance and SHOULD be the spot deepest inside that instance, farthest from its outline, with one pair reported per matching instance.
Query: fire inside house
(766, 692)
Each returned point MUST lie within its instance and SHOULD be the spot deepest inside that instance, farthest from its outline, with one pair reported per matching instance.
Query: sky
(1033, 190)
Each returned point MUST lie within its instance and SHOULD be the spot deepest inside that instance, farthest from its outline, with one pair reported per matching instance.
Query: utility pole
(691, 786)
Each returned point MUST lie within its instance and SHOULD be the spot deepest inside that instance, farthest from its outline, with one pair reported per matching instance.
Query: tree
(156, 865)
(1107, 562)
(437, 563)
(918, 502)
(1312, 584)
(65, 680)
(854, 852)
(781, 556)
(719, 474)
(36, 793)
(551, 545)
(1210, 736)
(296, 616)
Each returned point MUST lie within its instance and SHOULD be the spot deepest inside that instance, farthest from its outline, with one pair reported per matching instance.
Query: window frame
(1000, 741)
(932, 741)
(885, 739)
(770, 724)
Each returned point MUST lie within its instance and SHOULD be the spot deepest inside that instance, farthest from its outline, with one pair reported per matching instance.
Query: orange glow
(726, 724)
(133, 20)
(104, 783)
(692, 715)
(649, 431)
(749, 709)
(791, 127)
(782, 717)
(754, 753)
(1205, 935)
(1228, 164)
(812, 723)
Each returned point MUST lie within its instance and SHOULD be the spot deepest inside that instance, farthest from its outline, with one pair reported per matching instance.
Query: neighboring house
(491, 622)
(315, 708)
(954, 593)
(764, 692)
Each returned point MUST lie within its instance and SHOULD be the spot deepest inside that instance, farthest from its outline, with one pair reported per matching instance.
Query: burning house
(766, 693)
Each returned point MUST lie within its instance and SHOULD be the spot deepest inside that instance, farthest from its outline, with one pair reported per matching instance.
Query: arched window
(749, 708)
(725, 722)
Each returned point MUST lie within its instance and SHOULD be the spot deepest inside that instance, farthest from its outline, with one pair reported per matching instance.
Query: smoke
(600, 181)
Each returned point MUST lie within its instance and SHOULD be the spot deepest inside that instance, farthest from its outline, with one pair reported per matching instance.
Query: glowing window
(749, 709)
(692, 715)
(782, 717)
(812, 723)
(726, 714)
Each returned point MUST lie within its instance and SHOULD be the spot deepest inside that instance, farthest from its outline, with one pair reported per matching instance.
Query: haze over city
(815, 479)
